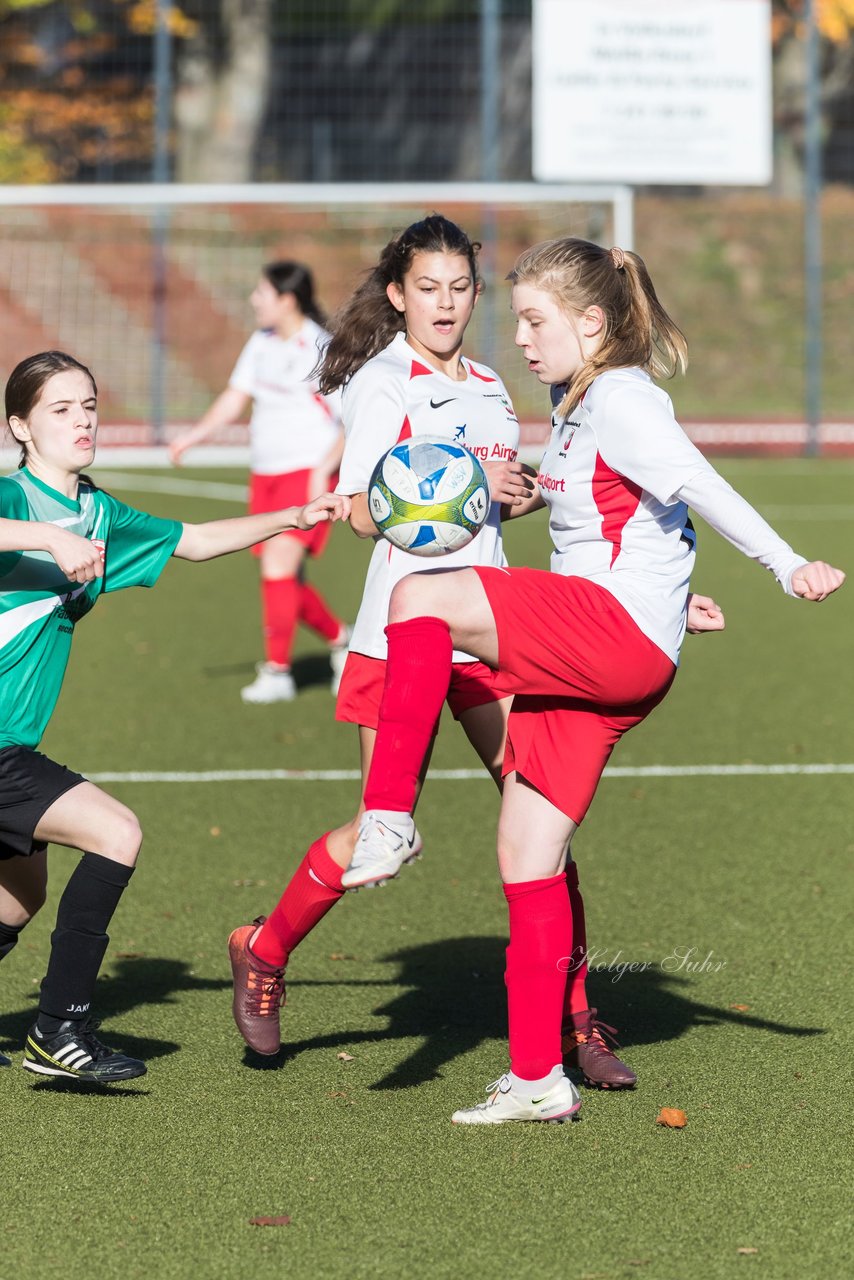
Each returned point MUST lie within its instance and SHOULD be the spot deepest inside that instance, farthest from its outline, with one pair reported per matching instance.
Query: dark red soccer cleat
(259, 993)
(585, 1046)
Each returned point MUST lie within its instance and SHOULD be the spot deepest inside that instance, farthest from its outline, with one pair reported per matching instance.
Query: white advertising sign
(652, 91)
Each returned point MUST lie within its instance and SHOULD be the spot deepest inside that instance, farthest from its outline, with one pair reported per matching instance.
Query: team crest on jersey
(568, 430)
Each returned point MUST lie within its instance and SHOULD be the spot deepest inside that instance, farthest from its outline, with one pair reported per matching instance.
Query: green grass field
(745, 877)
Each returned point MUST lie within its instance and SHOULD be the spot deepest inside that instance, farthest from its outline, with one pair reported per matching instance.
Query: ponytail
(295, 278)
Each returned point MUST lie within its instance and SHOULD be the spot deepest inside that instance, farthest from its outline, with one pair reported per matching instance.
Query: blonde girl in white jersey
(588, 649)
(397, 354)
(295, 447)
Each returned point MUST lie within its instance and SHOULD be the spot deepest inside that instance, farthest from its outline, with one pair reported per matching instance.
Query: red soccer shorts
(272, 493)
(473, 684)
(582, 672)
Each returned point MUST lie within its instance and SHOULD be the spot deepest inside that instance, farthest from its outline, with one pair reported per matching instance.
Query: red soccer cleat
(259, 993)
(585, 1047)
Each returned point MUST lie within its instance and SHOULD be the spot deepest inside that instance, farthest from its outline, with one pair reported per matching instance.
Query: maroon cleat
(259, 993)
(585, 1047)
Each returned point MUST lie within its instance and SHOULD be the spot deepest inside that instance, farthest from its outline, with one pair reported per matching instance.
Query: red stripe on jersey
(418, 369)
(405, 431)
(323, 403)
(480, 376)
(616, 501)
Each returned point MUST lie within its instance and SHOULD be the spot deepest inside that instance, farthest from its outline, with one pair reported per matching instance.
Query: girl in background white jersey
(397, 355)
(589, 648)
(295, 447)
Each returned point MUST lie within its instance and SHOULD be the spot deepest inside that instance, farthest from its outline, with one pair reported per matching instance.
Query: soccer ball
(428, 496)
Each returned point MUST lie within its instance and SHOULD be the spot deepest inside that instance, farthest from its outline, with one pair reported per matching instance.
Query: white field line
(473, 775)
(172, 484)
(238, 493)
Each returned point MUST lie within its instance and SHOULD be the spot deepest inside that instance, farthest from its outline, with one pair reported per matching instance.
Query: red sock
(313, 890)
(540, 941)
(417, 677)
(315, 613)
(575, 1000)
(281, 601)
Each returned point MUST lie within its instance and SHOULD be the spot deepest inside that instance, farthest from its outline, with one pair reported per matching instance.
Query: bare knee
(121, 838)
(27, 904)
(26, 895)
(409, 598)
(34, 900)
(508, 854)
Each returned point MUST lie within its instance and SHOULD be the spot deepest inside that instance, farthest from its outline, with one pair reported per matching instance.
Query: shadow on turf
(653, 1006)
(455, 1000)
(309, 670)
(135, 981)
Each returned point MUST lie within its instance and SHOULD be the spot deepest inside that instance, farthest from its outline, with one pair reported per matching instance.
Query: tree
(835, 20)
(223, 76)
(76, 88)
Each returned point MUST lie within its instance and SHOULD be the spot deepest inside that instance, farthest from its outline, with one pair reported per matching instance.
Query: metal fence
(395, 91)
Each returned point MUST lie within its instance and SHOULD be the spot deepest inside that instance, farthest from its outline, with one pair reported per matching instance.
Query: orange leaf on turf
(672, 1118)
(281, 1221)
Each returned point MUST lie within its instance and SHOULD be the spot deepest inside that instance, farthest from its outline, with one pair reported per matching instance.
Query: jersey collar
(73, 504)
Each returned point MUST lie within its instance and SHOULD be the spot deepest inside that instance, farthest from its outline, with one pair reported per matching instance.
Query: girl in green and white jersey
(62, 543)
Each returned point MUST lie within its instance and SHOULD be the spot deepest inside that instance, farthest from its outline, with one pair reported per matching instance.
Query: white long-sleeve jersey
(618, 476)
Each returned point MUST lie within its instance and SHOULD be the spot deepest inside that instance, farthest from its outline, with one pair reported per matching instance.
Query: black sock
(80, 939)
(8, 937)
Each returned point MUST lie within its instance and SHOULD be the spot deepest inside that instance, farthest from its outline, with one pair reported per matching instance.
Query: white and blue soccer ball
(428, 496)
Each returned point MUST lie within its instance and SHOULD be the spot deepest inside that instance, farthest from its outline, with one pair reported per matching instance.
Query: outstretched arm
(219, 537)
(228, 407)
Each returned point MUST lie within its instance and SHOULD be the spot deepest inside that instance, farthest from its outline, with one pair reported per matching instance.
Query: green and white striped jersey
(39, 607)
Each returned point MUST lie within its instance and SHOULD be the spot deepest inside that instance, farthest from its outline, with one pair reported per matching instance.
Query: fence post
(490, 136)
(160, 216)
(812, 233)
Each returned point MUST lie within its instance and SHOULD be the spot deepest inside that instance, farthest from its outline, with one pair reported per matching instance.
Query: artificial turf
(743, 877)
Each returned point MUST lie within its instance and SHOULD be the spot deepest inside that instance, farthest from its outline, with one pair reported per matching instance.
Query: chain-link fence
(393, 91)
(327, 90)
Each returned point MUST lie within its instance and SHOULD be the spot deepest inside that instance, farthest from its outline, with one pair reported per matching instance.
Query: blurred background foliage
(334, 90)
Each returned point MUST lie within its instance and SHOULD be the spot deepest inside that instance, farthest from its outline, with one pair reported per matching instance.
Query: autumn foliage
(76, 93)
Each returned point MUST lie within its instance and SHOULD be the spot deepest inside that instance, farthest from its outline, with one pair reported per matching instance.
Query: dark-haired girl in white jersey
(397, 355)
(589, 648)
(295, 446)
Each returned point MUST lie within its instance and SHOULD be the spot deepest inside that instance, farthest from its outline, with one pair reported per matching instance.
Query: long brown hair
(27, 380)
(638, 332)
(367, 323)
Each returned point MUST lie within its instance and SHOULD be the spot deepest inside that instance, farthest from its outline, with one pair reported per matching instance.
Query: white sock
(532, 1088)
(394, 819)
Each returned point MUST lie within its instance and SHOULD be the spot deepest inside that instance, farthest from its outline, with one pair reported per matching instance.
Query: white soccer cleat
(385, 843)
(270, 685)
(337, 659)
(503, 1105)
